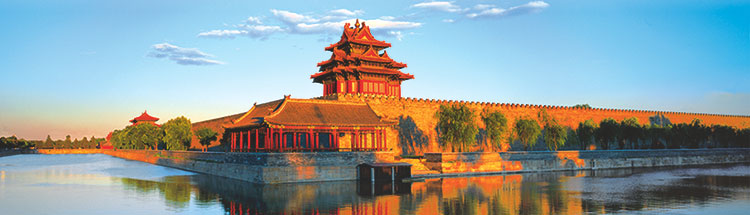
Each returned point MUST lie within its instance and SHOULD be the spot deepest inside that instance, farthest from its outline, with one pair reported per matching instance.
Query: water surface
(100, 184)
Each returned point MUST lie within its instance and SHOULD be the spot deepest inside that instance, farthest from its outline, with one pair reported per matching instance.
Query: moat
(101, 184)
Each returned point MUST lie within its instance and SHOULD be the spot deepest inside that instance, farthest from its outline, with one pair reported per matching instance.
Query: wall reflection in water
(607, 191)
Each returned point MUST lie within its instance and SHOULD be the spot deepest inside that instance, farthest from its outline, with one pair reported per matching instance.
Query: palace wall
(415, 131)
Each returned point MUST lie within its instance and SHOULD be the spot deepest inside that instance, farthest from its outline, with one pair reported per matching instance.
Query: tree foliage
(206, 135)
(607, 132)
(177, 133)
(457, 126)
(585, 132)
(555, 134)
(495, 124)
(631, 132)
(527, 131)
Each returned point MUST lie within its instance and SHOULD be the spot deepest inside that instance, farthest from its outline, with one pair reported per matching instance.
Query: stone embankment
(265, 168)
(273, 168)
(477, 163)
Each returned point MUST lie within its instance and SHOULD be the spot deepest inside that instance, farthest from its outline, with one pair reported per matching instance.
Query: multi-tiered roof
(144, 118)
(358, 54)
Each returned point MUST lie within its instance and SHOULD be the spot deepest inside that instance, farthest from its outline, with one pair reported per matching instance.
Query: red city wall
(421, 114)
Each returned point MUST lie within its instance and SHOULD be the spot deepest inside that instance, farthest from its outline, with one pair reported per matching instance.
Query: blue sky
(87, 67)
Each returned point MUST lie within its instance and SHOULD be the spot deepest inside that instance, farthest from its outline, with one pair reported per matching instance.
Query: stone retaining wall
(265, 168)
(483, 163)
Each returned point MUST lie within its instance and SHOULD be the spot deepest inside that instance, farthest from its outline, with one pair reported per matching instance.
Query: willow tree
(554, 133)
(585, 133)
(495, 125)
(608, 131)
(527, 131)
(631, 131)
(457, 127)
(177, 133)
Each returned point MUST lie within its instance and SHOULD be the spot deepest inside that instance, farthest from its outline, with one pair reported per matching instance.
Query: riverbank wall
(478, 163)
(275, 168)
(262, 168)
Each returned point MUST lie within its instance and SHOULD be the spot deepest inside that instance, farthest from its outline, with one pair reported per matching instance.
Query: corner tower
(358, 66)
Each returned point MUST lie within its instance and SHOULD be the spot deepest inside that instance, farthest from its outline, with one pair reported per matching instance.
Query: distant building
(145, 118)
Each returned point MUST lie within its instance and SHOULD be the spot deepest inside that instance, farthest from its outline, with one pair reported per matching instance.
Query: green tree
(120, 139)
(583, 106)
(177, 133)
(697, 133)
(49, 143)
(607, 132)
(722, 135)
(655, 133)
(678, 136)
(145, 136)
(495, 124)
(205, 136)
(527, 131)
(631, 131)
(457, 127)
(743, 138)
(586, 131)
(554, 134)
(85, 143)
(68, 142)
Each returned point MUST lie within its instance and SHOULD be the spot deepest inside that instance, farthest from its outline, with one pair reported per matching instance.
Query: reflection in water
(710, 188)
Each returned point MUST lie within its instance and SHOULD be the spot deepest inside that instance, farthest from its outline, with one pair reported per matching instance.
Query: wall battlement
(415, 131)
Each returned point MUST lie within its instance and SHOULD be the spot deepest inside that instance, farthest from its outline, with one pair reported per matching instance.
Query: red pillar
(377, 139)
(248, 141)
(356, 140)
(295, 136)
(267, 138)
(234, 140)
(336, 136)
(385, 139)
(373, 144)
(282, 139)
(310, 140)
(256, 139)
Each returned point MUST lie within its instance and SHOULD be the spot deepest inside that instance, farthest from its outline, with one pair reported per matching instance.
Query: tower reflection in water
(547, 193)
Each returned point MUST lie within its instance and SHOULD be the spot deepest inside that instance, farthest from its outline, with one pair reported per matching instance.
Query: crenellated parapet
(569, 116)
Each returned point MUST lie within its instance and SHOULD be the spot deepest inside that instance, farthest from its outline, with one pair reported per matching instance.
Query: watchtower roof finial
(356, 24)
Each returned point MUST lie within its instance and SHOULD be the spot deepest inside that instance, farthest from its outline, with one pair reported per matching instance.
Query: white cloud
(448, 20)
(396, 34)
(291, 18)
(253, 20)
(483, 6)
(389, 18)
(329, 23)
(182, 56)
(376, 26)
(491, 11)
(345, 12)
(252, 31)
(445, 6)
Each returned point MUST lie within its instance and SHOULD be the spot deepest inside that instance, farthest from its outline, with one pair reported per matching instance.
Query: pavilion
(307, 125)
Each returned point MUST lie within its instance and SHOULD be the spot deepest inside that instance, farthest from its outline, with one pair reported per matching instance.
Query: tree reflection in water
(578, 192)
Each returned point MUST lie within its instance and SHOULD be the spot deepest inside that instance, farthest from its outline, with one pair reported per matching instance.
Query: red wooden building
(360, 65)
(307, 125)
(145, 118)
